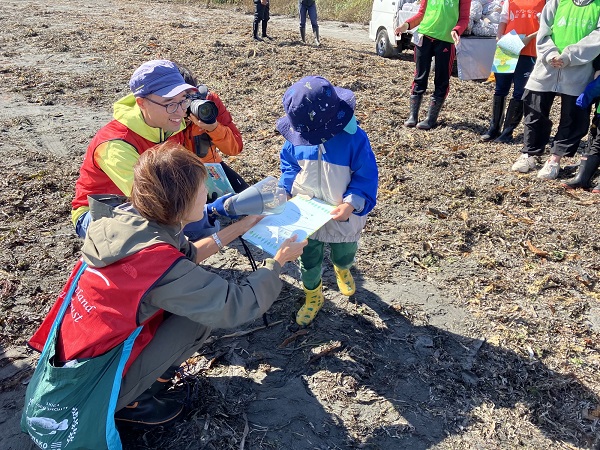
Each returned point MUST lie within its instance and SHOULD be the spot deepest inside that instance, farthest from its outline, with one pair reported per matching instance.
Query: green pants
(311, 261)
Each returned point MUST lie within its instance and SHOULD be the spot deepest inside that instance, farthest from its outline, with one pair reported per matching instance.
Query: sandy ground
(461, 335)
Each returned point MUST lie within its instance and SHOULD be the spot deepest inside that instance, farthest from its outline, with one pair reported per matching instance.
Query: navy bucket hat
(315, 111)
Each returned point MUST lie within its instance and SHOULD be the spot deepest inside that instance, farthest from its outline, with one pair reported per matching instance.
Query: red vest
(92, 180)
(103, 310)
(522, 17)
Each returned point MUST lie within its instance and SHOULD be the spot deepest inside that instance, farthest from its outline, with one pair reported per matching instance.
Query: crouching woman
(137, 304)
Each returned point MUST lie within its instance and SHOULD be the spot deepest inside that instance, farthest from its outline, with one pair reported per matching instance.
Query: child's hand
(342, 212)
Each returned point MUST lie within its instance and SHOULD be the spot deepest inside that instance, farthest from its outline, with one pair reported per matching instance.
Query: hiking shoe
(149, 412)
(312, 304)
(549, 171)
(524, 164)
(344, 281)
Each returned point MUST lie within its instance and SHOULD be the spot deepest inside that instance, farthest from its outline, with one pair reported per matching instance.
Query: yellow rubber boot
(344, 281)
(313, 303)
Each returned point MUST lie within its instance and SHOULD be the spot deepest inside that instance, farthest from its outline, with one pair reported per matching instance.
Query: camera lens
(204, 110)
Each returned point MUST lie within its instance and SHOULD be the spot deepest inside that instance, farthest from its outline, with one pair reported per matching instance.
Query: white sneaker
(524, 164)
(549, 171)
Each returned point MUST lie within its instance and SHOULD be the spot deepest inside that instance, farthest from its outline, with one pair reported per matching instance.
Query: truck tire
(383, 47)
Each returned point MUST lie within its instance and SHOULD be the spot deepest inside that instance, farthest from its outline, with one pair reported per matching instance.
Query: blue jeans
(519, 78)
(82, 224)
(312, 14)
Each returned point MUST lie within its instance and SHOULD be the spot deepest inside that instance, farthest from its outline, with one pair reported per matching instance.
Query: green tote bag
(73, 406)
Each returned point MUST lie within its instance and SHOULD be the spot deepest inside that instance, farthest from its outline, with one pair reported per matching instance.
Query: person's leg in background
(572, 127)
(265, 19)
(302, 10)
(423, 54)
(589, 163)
(514, 112)
(444, 53)
(258, 15)
(312, 13)
(537, 127)
(503, 83)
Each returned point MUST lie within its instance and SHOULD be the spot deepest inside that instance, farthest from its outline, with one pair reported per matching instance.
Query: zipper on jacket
(320, 165)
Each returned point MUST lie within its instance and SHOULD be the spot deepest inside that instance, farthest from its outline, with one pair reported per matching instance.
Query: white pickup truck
(386, 15)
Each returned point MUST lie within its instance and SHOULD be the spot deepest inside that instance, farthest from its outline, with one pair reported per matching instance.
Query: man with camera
(153, 113)
(210, 130)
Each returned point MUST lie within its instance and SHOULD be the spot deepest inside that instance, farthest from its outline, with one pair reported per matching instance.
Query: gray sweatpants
(176, 340)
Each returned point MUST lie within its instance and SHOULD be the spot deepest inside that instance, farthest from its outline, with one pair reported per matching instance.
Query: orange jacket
(226, 137)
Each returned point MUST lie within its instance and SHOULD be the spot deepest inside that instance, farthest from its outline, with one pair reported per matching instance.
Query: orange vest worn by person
(103, 310)
(523, 18)
(92, 180)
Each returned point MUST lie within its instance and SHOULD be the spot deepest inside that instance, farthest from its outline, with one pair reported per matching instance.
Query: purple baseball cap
(315, 111)
(159, 77)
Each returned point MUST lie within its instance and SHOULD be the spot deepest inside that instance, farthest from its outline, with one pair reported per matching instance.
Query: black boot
(435, 106)
(264, 30)
(514, 114)
(163, 383)
(255, 31)
(415, 105)
(147, 411)
(497, 115)
(316, 35)
(587, 169)
(303, 35)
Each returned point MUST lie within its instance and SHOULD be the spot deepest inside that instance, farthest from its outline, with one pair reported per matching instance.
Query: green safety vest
(572, 23)
(440, 18)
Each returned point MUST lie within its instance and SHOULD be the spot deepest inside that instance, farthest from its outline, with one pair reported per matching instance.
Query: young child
(328, 156)
(591, 160)
(567, 44)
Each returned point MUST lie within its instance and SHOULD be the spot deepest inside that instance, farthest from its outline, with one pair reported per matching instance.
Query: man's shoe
(345, 281)
(549, 171)
(524, 164)
(149, 412)
(312, 305)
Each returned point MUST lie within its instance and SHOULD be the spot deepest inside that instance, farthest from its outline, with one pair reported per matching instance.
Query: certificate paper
(302, 216)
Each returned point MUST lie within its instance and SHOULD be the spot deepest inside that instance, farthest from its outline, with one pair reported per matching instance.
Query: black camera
(204, 110)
